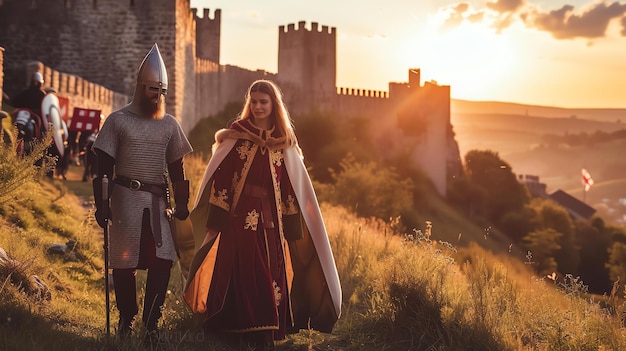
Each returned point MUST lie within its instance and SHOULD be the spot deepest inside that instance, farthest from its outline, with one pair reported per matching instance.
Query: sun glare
(471, 58)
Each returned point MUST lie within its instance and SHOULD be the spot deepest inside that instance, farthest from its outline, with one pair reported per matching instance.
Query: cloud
(504, 6)
(564, 23)
(460, 12)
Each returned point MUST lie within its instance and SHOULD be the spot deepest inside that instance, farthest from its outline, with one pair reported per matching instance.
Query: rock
(68, 250)
(40, 290)
(4, 257)
(58, 249)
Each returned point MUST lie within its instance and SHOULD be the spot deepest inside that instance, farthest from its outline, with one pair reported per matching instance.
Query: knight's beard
(154, 109)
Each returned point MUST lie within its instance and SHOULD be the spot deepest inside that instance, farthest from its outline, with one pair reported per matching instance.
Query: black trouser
(156, 284)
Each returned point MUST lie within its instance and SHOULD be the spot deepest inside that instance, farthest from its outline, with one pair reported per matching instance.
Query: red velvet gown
(248, 291)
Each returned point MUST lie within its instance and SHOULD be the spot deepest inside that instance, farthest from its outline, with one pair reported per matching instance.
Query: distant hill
(518, 133)
(509, 108)
(512, 128)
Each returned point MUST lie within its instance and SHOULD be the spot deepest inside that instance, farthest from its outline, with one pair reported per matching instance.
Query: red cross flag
(587, 180)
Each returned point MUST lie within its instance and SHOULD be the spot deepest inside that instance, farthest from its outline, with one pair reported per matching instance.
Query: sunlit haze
(553, 53)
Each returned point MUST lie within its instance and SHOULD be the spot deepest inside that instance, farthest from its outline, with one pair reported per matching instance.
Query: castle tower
(307, 67)
(102, 41)
(208, 35)
(423, 116)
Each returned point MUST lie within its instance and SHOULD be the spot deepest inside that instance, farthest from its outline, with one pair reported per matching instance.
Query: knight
(141, 148)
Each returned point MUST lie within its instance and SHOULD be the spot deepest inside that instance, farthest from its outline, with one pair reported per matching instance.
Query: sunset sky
(564, 53)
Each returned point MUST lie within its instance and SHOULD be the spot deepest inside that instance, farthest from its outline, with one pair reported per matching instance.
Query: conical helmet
(37, 78)
(152, 71)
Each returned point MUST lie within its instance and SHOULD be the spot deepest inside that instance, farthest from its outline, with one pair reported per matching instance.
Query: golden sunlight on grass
(401, 291)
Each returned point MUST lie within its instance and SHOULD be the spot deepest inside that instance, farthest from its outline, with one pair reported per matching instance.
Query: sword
(105, 207)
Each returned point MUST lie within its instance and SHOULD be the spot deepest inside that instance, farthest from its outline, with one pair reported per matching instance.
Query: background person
(30, 97)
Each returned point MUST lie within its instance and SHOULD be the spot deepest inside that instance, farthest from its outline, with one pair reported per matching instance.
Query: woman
(262, 266)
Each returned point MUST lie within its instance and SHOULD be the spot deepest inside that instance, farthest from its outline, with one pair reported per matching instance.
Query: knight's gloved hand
(181, 198)
(102, 206)
(181, 213)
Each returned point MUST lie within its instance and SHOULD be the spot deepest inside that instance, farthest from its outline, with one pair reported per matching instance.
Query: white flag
(587, 180)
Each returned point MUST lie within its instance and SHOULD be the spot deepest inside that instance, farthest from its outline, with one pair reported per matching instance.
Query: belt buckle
(134, 184)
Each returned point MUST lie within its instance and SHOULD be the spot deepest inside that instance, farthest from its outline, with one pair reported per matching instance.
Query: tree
(594, 242)
(617, 262)
(504, 193)
(553, 216)
(371, 190)
(543, 244)
(467, 197)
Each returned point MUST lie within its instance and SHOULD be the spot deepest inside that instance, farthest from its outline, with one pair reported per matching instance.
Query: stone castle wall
(103, 41)
(353, 102)
(80, 92)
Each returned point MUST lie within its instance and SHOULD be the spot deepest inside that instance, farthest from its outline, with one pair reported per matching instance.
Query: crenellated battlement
(217, 15)
(315, 28)
(342, 91)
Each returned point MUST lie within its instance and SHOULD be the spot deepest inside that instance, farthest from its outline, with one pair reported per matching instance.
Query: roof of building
(575, 207)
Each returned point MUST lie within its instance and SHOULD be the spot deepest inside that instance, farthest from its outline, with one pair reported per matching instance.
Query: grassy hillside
(402, 291)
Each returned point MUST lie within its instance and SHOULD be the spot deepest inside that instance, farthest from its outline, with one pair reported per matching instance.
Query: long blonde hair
(282, 121)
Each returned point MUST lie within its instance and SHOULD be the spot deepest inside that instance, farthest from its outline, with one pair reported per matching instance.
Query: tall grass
(17, 172)
(402, 291)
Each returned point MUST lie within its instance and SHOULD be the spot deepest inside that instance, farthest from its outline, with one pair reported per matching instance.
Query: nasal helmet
(152, 71)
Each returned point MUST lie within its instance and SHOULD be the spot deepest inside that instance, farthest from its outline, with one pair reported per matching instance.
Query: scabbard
(156, 221)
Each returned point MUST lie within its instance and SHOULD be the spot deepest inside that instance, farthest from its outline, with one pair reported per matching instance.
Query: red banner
(64, 107)
(85, 120)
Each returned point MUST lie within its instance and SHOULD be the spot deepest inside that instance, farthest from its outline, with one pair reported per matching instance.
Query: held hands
(181, 213)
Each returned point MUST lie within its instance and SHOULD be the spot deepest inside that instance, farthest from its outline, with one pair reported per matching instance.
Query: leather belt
(266, 209)
(156, 189)
(137, 185)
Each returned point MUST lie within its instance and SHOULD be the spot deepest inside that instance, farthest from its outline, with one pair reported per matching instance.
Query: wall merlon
(63, 83)
(206, 14)
(71, 84)
(315, 28)
(54, 80)
(362, 92)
